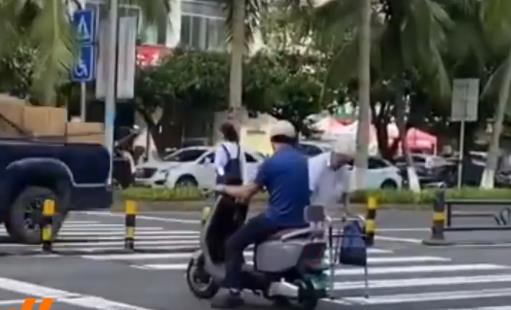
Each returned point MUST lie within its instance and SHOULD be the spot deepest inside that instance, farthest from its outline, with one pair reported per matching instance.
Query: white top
(327, 185)
(221, 158)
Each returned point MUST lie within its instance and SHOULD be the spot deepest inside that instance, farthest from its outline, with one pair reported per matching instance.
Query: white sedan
(187, 167)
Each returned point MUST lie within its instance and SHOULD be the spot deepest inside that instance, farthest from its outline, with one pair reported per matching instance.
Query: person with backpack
(230, 161)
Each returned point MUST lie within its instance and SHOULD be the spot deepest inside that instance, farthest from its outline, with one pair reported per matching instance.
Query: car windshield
(185, 155)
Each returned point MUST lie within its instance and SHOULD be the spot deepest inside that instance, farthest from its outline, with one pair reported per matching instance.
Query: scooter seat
(281, 233)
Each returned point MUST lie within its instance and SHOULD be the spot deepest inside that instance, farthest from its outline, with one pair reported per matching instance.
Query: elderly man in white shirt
(329, 177)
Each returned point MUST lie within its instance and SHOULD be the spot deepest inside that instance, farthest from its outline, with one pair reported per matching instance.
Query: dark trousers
(255, 231)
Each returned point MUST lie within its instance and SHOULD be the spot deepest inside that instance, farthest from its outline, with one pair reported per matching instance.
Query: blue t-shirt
(286, 178)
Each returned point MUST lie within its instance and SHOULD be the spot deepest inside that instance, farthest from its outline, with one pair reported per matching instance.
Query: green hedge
(384, 197)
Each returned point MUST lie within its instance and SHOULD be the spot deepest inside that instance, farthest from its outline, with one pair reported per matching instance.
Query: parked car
(188, 167)
(431, 170)
(382, 174)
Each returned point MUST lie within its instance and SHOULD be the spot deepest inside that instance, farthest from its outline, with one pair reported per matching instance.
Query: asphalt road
(90, 269)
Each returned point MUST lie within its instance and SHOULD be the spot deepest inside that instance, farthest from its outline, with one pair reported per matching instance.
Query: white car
(191, 166)
(381, 174)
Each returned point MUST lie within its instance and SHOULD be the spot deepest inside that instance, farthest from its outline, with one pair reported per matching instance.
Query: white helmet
(283, 128)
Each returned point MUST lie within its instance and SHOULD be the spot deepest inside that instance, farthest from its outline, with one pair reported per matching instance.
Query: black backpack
(232, 170)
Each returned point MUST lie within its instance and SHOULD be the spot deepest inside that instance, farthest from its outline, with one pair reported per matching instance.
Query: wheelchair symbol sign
(83, 71)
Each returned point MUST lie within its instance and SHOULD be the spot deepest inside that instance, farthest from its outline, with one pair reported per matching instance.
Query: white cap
(345, 147)
(283, 128)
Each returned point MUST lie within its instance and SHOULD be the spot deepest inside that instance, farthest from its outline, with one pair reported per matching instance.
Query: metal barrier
(444, 213)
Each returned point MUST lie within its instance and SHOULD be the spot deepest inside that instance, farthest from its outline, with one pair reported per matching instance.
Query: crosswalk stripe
(149, 256)
(418, 282)
(121, 242)
(106, 229)
(485, 308)
(418, 269)
(406, 259)
(424, 297)
(121, 232)
(182, 248)
(137, 237)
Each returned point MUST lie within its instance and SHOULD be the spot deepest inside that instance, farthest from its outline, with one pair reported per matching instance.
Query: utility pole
(111, 95)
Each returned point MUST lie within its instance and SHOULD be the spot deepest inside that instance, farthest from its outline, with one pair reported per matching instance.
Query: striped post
(47, 225)
(437, 228)
(131, 213)
(372, 205)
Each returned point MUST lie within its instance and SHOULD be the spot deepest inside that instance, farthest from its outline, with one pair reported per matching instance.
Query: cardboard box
(89, 133)
(11, 117)
(45, 121)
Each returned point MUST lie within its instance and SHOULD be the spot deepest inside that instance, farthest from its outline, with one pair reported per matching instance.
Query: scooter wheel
(200, 283)
(307, 296)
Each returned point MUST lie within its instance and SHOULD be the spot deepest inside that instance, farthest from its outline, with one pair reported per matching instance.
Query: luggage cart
(335, 235)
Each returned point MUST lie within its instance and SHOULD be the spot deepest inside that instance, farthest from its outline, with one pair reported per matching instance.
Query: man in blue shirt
(285, 176)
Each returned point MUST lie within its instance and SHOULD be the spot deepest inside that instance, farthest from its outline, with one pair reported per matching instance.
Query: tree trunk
(364, 77)
(413, 179)
(237, 51)
(488, 178)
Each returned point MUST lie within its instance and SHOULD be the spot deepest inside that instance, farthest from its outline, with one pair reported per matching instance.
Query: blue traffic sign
(84, 69)
(84, 22)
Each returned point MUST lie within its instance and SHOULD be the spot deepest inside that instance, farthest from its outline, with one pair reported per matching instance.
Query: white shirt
(221, 158)
(327, 185)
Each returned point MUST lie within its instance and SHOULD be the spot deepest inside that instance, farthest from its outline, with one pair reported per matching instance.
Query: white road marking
(137, 237)
(406, 259)
(396, 239)
(14, 302)
(89, 302)
(417, 229)
(485, 308)
(151, 256)
(93, 249)
(424, 297)
(417, 269)
(116, 233)
(419, 282)
(121, 243)
(150, 218)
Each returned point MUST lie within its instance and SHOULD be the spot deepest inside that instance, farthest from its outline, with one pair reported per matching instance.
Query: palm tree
(407, 39)
(238, 44)
(364, 78)
(45, 26)
(243, 21)
(496, 17)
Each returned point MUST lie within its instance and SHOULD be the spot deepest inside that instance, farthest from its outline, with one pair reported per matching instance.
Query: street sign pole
(83, 101)
(465, 100)
(462, 150)
(110, 87)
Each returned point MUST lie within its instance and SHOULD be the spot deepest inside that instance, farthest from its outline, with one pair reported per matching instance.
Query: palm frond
(152, 10)
(253, 14)
(51, 33)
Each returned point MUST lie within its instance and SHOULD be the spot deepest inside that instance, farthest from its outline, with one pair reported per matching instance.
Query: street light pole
(110, 99)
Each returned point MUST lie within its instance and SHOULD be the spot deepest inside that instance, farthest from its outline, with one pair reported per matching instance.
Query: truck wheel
(25, 214)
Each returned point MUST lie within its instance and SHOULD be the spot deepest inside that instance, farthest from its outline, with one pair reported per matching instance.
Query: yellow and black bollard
(131, 212)
(47, 224)
(437, 228)
(370, 226)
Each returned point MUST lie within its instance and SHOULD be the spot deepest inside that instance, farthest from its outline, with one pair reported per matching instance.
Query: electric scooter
(288, 266)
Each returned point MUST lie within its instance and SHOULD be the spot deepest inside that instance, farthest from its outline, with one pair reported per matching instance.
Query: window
(375, 163)
(185, 155)
(202, 32)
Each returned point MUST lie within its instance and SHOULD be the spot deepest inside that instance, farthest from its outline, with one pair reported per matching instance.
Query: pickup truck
(75, 176)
